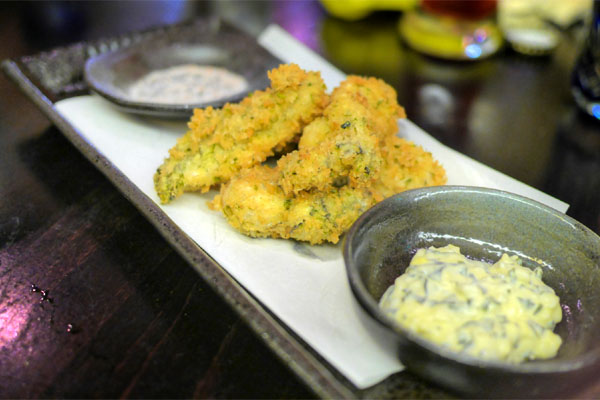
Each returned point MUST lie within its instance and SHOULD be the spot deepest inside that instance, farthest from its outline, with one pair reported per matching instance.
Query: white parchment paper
(305, 286)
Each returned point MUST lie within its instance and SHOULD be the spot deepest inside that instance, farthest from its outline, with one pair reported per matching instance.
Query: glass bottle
(452, 29)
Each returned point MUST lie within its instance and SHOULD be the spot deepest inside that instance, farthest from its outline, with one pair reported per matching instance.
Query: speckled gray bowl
(204, 42)
(484, 223)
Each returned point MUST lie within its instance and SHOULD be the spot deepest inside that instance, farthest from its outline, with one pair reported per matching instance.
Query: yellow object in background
(356, 9)
(366, 47)
(449, 38)
(532, 27)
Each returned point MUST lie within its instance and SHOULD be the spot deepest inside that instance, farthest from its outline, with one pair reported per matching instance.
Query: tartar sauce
(187, 84)
(501, 312)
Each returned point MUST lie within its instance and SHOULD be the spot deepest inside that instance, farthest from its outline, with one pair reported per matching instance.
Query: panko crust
(343, 146)
(347, 160)
(350, 158)
(370, 100)
(407, 166)
(254, 204)
(221, 142)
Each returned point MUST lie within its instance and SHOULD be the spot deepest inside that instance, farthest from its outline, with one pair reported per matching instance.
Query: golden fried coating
(254, 203)
(220, 142)
(406, 166)
(347, 160)
(350, 158)
(369, 101)
(342, 146)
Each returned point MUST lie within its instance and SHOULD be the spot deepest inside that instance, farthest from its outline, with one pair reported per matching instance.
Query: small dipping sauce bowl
(484, 223)
(206, 43)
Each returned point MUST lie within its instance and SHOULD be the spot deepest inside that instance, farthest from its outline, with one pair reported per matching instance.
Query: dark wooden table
(95, 303)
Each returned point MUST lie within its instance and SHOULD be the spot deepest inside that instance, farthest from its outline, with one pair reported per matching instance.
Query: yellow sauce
(501, 312)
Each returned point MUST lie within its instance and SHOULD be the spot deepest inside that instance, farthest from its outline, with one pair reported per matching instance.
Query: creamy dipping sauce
(501, 312)
(187, 84)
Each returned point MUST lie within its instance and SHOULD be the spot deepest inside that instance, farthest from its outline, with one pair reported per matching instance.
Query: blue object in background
(586, 76)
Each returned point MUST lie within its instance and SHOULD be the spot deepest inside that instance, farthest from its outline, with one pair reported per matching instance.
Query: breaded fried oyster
(406, 166)
(221, 142)
(254, 204)
(347, 160)
(343, 146)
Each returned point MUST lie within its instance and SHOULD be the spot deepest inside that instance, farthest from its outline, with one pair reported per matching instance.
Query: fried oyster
(221, 142)
(254, 204)
(347, 161)
(343, 146)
